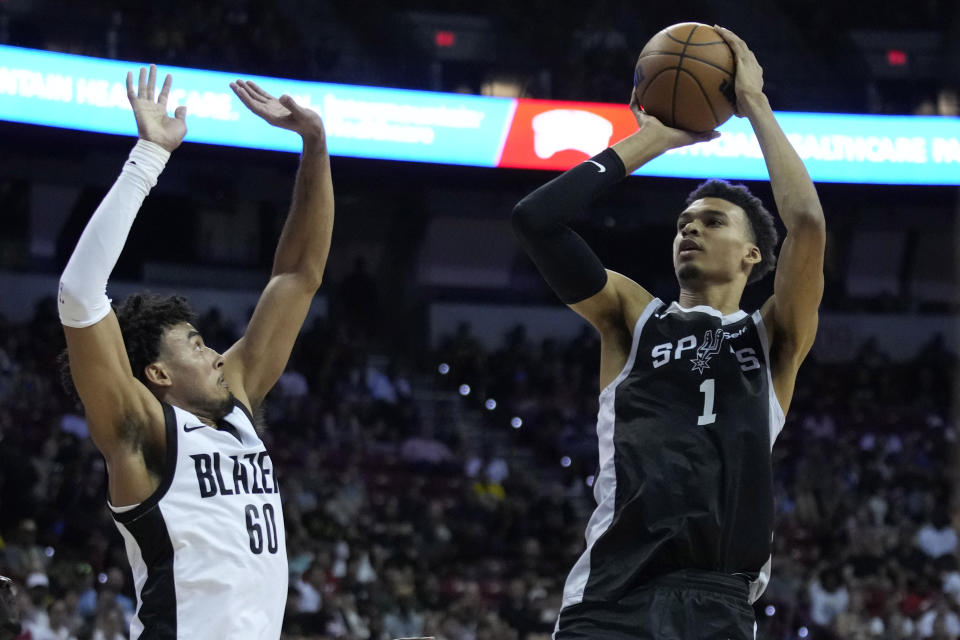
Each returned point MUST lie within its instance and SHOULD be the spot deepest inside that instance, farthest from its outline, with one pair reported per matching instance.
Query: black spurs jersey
(685, 432)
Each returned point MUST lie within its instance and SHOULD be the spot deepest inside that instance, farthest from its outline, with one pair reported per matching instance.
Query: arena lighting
(516, 422)
(896, 57)
(84, 93)
(565, 461)
(464, 389)
(803, 632)
(444, 39)
(770, 610)
(444, 368)
(102, 578)
(590, 480)
(490, 404)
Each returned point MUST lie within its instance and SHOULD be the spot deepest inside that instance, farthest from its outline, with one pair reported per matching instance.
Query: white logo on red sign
(562, 129)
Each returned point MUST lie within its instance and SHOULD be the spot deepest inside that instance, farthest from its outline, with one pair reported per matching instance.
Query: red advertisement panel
(549, 134)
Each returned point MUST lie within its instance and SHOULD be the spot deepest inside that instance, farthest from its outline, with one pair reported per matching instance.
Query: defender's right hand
(670, 137)
(153, 122)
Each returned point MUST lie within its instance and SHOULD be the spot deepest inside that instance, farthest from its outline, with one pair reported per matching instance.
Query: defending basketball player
(693, 392)
(191, 485)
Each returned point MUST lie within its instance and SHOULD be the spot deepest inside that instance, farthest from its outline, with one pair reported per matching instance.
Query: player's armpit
(254, 364)
(112, 397)
(614, 312)
(617, 306)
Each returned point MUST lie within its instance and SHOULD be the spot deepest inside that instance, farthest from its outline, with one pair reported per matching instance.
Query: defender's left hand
(748, 80)
(283, 112)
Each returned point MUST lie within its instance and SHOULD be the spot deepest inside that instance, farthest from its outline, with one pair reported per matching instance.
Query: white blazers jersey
(208, 549)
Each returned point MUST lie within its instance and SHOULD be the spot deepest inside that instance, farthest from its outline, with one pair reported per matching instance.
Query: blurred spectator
(37, 599)
(487, 466)
(403, 621)
(940, 622)
(59, 625)
(23, 555)
(10, 626)
(109, 624)
(413, 518)
(828, 598)
(112, 596)
(936, 537)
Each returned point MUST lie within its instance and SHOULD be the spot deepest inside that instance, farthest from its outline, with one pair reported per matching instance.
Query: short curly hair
(761, 221)
(143, 318)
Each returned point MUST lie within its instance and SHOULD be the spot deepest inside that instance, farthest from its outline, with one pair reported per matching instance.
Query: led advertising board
(84, 93)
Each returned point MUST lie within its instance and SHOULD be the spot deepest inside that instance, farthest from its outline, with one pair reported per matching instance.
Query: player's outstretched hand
(672, 138)
(748, 79)
(153, 122)
(283, 112)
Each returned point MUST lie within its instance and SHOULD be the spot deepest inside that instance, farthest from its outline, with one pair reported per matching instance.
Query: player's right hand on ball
(671, 138)
(153, 122)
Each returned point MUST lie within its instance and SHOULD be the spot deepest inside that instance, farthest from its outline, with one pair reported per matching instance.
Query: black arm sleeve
(569, 266)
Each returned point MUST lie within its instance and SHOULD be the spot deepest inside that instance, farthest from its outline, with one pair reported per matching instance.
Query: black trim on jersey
(246, 412)
(228, 427)
(225, 426)
(158, 597)
(169, 468)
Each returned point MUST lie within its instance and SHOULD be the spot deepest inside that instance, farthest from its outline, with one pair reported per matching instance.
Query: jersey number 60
(255, 530)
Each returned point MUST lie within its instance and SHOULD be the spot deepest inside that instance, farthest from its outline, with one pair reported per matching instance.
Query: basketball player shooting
(693, 392)
(191, 486)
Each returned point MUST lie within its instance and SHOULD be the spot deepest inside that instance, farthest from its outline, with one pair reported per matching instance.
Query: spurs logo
(710, 347)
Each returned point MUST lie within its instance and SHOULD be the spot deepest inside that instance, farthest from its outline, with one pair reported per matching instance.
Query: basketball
(684, 77)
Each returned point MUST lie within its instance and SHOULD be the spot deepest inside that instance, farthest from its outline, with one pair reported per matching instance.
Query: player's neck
(175, 400)
(723, 298)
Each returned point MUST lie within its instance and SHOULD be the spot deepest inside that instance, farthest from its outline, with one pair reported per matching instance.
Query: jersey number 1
(708, 416)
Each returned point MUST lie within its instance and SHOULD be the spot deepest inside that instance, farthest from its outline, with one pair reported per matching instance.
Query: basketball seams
(676, 78)
(649, 83)
(706, 97)
(677, 104)
(692, 44)
(671, 53)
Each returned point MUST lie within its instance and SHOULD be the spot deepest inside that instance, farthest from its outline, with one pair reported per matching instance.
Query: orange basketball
(684, 77)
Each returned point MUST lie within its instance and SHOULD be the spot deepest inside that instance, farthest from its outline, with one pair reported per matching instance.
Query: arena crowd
(405, 521)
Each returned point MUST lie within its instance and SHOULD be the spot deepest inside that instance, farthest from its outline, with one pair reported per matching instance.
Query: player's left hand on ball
(673, 138)
(748, 80)
(283, 112)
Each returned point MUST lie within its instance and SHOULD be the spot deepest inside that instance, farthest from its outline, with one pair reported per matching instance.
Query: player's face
(196, 372)
(713, 244)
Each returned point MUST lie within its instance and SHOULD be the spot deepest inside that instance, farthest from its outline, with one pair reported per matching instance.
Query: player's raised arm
(798, 283)
(541, 220)
(256, 361)
(116, 403)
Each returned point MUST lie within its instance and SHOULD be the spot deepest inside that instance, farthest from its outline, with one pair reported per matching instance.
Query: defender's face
(714, 242)
(195, 371)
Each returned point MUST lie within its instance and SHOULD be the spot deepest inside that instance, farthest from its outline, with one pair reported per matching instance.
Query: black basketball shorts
(685, 605)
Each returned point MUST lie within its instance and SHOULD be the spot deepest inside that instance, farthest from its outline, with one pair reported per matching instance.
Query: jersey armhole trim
(169, 469)
(652, 306)
(246, 411)
(777, 417)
